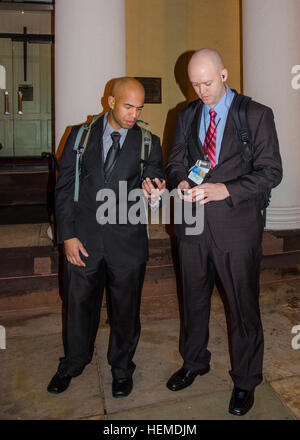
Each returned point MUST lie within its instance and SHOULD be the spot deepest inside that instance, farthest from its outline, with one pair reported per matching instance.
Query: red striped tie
(210, 139)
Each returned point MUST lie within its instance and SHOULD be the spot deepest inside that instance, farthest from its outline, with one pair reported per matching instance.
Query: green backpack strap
(78, 151)
(79, 147)
(95, 118)
(146, 145)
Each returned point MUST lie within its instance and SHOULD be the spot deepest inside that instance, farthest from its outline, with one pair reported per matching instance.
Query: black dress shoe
(58, 383)
(183, 378)
(241, 401)
(122, 387)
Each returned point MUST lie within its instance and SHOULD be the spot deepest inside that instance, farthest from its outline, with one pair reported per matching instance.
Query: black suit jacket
(237, 220)
(119, 243)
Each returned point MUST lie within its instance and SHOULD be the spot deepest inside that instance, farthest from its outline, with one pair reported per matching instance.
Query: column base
(283, 218)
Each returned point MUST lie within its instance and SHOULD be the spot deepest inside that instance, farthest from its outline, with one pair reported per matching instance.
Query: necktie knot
(115, 135)
(212, 113)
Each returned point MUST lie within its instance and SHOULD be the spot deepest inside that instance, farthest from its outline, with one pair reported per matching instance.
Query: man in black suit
(105, 253)
(230, 244)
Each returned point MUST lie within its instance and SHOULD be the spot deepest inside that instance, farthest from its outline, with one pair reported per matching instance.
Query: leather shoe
(183, 378)
(122, 387)
(58, 383)
(241, 401)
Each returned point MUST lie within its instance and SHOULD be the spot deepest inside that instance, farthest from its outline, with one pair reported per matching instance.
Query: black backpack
(239, 115)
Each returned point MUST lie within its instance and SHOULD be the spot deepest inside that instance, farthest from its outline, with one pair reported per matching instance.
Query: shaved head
(126, 83)
(126, 102)
(208, 75)
(207, 56)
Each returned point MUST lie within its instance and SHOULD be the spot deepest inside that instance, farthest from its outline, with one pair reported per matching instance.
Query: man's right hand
(183, 185)
(72, 248)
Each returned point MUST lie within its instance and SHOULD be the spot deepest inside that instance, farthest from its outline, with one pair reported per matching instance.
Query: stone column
(89, 51)
(271, 66)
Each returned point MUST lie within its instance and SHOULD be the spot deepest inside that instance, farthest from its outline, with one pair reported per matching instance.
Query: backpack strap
(239, 114)
(146, 145)
(78, 150)
(145, 153)
(79, 147)
(95, 118)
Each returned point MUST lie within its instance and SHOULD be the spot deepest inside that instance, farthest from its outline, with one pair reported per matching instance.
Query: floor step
(24, 214)
(35, 260)
(47, 260)
(41, 290)
(31, 276)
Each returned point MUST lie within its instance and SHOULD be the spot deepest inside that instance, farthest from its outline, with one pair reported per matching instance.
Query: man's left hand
(210, 192)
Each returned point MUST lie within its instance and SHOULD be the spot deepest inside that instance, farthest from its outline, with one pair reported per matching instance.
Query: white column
(89, 51)
(271, 61)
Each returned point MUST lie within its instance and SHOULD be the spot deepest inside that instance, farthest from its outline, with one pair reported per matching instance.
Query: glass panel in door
(26, 126)
(6, 105)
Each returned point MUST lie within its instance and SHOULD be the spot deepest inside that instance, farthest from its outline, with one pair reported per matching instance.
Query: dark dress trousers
(230, 244)
(117, 252)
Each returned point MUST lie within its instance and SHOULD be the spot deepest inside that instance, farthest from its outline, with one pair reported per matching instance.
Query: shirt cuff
(154, 206)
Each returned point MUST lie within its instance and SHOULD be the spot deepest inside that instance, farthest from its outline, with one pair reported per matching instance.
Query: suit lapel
(228, 138)
(195, 127)
(129, 152)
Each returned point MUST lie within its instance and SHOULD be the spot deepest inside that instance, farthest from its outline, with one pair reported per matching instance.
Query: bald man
(102, 254)
(230, 244)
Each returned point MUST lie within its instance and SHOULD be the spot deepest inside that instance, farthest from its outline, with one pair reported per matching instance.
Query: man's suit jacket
(235, 222)
(119, 243)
